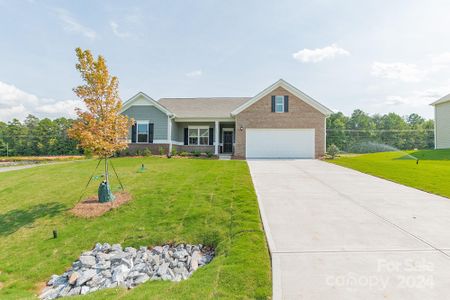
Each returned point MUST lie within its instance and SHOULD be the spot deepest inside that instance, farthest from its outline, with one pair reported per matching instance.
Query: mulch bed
(91, 208)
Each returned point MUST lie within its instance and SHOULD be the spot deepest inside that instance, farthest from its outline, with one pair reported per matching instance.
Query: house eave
(440, 101)
(203, 119)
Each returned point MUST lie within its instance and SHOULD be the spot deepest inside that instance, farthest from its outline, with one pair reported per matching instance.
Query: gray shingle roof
(212, 107)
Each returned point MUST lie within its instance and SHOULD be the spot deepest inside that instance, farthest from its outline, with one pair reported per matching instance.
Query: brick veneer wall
(300, 115)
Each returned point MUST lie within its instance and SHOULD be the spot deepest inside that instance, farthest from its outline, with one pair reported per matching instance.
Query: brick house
(279, 122)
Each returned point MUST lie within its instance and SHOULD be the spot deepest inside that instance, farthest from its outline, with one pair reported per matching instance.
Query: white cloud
(319, 54)
(195, 73)
(70, 24)
(8, 113)
(115, 30)
(418, 98)
(398, 71)
(441, 59)
(16, 103)
(59, 107)
(9, 94)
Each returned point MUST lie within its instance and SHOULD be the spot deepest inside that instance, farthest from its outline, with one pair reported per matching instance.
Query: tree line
(359, 132)
(36, 136)
(362, 132)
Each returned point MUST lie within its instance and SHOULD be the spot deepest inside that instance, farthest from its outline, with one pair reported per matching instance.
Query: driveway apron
(335, 233)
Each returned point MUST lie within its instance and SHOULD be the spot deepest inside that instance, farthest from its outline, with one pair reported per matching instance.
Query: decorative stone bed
(108, 266)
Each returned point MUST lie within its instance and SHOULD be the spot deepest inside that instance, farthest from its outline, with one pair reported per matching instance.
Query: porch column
(216, 138)
(169, 134)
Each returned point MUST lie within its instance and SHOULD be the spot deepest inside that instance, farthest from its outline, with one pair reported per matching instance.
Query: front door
(227, 141)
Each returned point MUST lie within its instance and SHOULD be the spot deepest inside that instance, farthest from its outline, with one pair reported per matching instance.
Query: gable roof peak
(290, 88)
(127, 104)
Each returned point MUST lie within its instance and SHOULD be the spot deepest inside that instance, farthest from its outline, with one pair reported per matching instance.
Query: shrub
(161, 151)
(196, 153)
(138, 152)
(174, 151)
(209, 153)
(333, 151)
(87, 153)
(184, 153)
(147, 152)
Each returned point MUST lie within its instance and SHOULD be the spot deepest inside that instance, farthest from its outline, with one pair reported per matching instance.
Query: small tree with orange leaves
(101, 128)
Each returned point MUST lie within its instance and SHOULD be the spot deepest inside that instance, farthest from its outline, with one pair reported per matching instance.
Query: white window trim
(146, 122)
(198, 135)
(282, 104)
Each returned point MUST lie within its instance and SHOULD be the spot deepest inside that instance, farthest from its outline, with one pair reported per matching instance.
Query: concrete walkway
(22, 167)
(335, 233)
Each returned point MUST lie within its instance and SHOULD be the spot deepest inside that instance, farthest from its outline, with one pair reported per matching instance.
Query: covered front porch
(214, 136)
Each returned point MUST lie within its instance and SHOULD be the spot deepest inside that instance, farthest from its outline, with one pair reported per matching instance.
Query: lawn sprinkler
(55, 233)
(141, 169)
(417, 161)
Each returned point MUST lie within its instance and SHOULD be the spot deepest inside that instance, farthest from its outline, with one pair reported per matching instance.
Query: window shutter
(133, 133)
(286, 103)
(273, 103)
(186, 136)
(211, 136)
(150, 133)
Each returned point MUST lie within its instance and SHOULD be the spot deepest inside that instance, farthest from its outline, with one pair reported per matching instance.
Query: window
(279, 104)
(142, 132)
(193, 136)
(198, 136)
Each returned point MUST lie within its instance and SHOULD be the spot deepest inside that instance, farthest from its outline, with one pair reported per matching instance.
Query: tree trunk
(104, 190)
(106, 170)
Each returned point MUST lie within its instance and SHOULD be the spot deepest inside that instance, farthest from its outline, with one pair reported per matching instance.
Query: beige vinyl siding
(442, 123)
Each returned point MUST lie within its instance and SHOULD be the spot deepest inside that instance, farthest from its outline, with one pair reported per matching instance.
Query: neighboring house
(279, 122)
(442, 123)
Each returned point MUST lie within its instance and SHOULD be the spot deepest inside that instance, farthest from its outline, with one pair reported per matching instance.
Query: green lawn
(175, 200)
(432, 174)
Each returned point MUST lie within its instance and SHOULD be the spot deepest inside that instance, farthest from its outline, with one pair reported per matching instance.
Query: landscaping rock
(107, 266)
(87, 261)
(194, 260)
(84, 290)
(141, 279)
(73, 278)
(119, 274)
(86, 276)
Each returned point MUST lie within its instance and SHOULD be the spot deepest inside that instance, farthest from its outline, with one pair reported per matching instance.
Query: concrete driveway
(335, 233)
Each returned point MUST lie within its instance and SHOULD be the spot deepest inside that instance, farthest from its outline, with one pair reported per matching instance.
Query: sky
(378, 56)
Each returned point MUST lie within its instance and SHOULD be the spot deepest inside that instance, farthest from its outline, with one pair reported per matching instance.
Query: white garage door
(279, 143)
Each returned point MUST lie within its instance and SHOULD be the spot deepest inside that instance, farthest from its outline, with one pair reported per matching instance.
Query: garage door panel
(280, 143)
